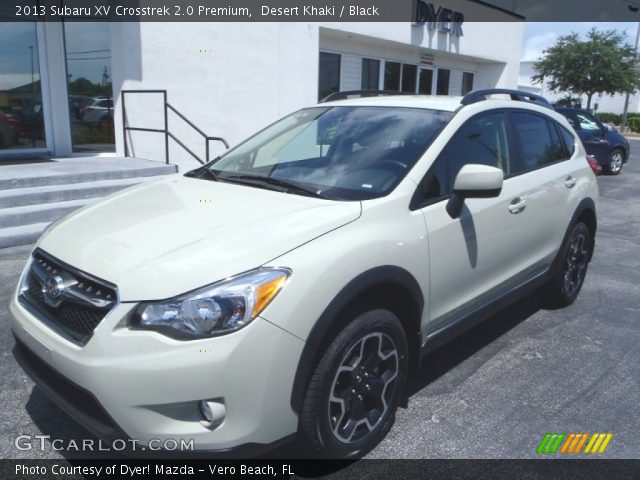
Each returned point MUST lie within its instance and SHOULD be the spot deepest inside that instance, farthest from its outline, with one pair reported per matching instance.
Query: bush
(634, 124)
(614, 118)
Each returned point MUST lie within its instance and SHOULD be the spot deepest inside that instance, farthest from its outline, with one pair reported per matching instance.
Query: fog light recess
(212, 412)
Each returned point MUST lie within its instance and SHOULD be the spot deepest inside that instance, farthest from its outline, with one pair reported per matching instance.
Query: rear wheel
(353, 395)
(566, 282)
(616, 160)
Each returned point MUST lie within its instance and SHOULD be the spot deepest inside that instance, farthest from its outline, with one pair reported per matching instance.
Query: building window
(329, 76)
(370, 74)
(392, 76)
(442, 83)
(88, 56)
(426, 81)
(409, 74)
(467, 82)
(21, 113)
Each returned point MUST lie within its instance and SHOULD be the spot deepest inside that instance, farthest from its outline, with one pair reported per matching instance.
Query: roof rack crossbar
(518, 95)
(360, 93)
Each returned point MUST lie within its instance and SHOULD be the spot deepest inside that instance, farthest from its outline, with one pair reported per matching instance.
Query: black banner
(330, 469)
(416, 11)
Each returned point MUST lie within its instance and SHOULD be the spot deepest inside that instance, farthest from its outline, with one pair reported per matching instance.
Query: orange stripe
(574, 443)
(584, 439)
(567, 442)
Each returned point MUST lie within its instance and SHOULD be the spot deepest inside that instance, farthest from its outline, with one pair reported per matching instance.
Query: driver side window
(482, 140)
(587, 122)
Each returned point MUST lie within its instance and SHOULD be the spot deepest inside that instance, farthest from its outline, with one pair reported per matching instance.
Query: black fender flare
(586, 204)
(382, 275)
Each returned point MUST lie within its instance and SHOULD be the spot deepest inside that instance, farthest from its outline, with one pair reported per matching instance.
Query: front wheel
(568, 277)
(352, 397)
(616, 160)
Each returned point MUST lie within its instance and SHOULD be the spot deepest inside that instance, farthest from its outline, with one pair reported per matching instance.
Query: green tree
(603, 63)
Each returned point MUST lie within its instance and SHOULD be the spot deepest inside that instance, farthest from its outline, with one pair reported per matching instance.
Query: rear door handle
(570, 181)
(517, 205)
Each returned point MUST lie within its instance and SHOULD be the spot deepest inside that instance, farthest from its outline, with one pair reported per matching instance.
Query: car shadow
(69, 435)
(451, 354)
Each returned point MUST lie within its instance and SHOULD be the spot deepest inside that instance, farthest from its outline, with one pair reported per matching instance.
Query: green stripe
(542, 445)
(556, 445)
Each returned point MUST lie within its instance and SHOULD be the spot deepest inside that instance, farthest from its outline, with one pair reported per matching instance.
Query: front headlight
(223, 307)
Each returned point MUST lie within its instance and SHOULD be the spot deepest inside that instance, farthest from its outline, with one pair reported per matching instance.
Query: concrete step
(21, 235)
(17, 197)
(79, 170)
(30, 214)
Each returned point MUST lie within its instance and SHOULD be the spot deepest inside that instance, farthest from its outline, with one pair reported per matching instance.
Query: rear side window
(483, 140)
(538, 141)
(568, 139)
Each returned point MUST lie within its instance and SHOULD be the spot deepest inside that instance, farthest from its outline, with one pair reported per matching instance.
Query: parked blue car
(610, 149)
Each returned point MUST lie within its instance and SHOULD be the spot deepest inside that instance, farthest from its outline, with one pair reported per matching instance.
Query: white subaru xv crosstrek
(291, 285)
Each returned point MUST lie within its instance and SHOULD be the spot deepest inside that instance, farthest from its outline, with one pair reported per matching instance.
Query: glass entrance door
(88, 57)
(21, 106)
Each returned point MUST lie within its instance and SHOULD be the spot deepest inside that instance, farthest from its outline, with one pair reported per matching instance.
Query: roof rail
(360, 93)
(518, 95)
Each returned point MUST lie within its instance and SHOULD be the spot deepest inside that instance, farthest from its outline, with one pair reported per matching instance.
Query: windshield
(342, 153)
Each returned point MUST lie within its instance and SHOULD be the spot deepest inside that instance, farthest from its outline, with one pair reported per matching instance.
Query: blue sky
(538, 36)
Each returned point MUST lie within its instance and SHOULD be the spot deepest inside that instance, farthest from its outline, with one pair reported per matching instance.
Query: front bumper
(144, 386)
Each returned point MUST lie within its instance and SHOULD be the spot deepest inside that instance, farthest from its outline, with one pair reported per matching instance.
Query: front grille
(80, 308)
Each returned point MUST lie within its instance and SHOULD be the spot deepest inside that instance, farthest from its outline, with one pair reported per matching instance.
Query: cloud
(534, 46)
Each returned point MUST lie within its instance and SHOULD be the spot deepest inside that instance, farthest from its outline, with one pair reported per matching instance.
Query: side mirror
(474, 181)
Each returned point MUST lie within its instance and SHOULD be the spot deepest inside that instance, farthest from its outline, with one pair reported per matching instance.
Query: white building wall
(232, 79)
(229, 79)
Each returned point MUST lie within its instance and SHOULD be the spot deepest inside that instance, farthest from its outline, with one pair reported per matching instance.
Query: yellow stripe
(606, 442)
(582, 440)
(591, 442)
(567, 442)
(596, 445)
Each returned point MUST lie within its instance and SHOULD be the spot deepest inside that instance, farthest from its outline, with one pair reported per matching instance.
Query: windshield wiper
(202, 172)
(286, 187)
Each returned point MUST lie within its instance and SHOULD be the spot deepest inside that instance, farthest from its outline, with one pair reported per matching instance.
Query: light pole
(634, 8)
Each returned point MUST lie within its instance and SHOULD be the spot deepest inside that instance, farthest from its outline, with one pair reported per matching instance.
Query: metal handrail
(167, 133)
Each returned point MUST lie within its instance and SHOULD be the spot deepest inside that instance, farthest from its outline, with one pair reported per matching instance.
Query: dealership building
(63, 84)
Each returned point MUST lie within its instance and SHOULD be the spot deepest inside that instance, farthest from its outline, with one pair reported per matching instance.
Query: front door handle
(517, 205)
(570, 181)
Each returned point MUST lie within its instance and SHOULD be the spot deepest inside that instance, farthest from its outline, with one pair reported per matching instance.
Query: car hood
(164, 238)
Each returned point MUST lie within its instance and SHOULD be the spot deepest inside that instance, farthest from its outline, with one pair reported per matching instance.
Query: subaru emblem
(53, 289)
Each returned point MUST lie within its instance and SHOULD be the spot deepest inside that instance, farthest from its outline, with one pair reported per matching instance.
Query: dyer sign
(438, 18)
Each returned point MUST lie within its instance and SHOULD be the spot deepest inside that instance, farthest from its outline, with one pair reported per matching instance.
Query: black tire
(356, 395)
(570, 271)
(615, 162)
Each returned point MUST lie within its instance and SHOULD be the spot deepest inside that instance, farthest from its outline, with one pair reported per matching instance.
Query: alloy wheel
(363, 387)
(576, 266)
(615, 165)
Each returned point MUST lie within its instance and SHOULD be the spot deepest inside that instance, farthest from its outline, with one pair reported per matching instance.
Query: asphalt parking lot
(492, 393)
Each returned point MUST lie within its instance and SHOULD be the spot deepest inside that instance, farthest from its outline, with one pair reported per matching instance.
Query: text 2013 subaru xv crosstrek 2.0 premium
(291, 285)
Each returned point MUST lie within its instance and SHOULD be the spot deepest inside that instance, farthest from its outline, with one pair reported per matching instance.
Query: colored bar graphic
(581, 443)
(567, 443)
(550, 443)
(597, 443)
